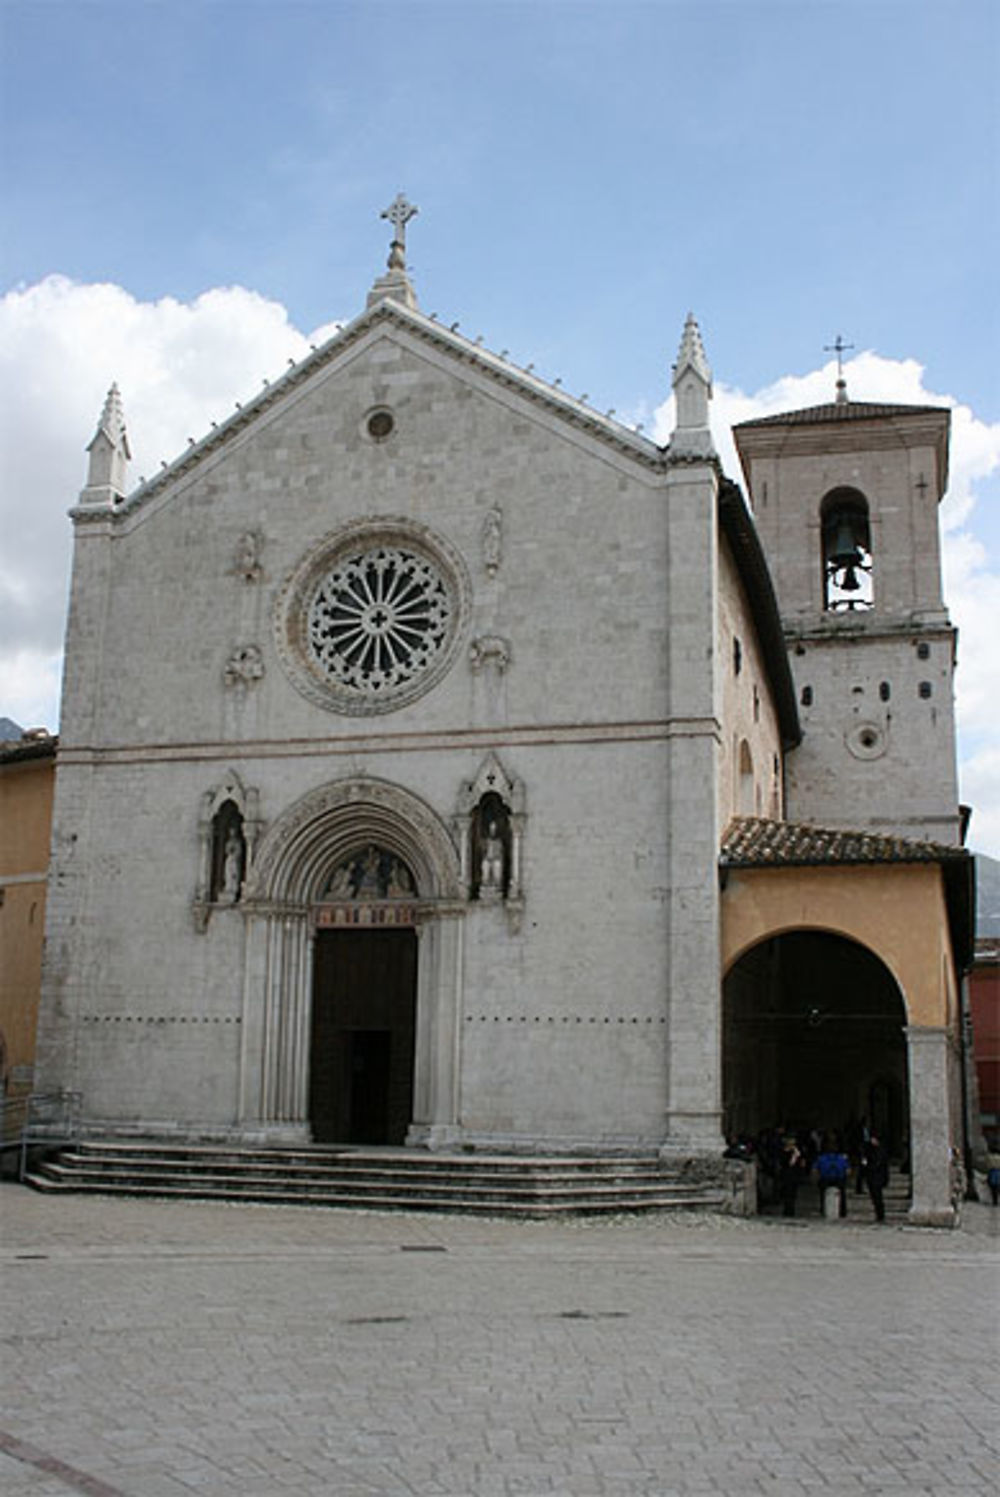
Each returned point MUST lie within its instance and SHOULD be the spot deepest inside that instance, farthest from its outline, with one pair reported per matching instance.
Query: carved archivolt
(336, 823)
(372, 616)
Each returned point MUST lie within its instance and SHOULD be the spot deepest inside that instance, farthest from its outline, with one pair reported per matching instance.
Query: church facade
(443, 763)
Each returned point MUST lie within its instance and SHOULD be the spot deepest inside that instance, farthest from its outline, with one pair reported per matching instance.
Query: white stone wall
(597, 1019)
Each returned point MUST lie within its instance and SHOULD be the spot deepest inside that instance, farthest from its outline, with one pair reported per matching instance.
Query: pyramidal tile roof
(841, 410)
(755, 842)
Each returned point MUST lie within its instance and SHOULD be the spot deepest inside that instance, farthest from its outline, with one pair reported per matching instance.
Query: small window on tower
(847, 555)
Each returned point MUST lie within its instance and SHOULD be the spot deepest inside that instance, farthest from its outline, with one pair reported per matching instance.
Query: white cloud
(180, 364)
(971, 572)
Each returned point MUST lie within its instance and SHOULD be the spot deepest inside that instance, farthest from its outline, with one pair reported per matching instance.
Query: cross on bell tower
(839, 347)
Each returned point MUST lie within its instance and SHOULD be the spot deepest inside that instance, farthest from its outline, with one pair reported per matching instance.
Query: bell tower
(845, 498)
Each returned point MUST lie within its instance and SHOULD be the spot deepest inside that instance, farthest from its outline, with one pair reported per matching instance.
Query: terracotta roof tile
(753, 842)
(849, 410)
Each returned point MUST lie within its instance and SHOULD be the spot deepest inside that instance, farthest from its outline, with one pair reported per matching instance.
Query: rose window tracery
(373, 615)
(378, 619)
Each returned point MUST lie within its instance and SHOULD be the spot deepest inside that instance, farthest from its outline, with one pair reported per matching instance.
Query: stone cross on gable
(399, 213)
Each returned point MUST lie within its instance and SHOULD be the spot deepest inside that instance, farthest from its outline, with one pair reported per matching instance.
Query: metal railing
(37, 1118)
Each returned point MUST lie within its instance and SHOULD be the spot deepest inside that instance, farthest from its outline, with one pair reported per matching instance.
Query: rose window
(372, 617)
(378, 619)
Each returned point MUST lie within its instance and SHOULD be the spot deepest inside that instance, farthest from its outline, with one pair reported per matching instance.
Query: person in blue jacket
(831, 1173)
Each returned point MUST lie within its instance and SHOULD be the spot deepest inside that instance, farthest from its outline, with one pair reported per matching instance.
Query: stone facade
(414, 643)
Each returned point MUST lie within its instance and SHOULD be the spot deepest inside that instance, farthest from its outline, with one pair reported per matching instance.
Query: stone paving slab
(165, 1349)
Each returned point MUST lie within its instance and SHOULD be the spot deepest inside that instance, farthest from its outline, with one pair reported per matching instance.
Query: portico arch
(281, 902)
(898, 914)
(814, 1037)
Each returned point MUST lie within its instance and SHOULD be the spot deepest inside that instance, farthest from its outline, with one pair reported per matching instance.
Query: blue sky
(586, 173)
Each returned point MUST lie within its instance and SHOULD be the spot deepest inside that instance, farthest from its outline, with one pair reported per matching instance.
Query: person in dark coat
(876, 1167)
(790, 1172)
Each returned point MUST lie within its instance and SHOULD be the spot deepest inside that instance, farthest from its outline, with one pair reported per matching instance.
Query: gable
(390, 324)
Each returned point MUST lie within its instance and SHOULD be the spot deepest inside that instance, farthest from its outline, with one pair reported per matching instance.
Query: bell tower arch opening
(848, 578)
(814, 1037)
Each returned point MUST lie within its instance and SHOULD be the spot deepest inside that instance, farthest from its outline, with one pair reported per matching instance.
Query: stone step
(359, 1158)
(385, 1201)
(383, 1180)
(292, 1172)
(443, 1188)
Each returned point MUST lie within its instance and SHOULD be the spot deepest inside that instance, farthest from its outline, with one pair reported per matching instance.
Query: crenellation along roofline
(568, 407)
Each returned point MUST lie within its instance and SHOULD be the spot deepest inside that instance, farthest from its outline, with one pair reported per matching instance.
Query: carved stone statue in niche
(489, 825)
(229, 826)
(228, 854)
(491, 865)
(372, 873)
(232, 868)
(491, 843)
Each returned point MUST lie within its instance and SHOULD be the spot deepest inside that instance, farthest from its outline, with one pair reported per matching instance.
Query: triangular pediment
(389, 319)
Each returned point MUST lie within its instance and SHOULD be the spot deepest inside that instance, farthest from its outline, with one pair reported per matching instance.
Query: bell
(843, 553)
(849, 582)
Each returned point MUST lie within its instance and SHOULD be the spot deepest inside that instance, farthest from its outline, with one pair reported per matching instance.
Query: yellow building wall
(896, 910)
(26, 789)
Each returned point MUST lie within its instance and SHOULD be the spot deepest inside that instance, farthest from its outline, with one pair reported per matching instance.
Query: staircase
(377, 1179)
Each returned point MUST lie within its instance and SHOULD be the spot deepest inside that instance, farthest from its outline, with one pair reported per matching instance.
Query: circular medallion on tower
(866, 740)
(371, 617)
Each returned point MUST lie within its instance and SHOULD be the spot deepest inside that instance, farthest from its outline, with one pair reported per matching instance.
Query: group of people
(789, 1159)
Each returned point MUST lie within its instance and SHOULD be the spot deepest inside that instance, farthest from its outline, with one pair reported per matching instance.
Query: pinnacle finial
(109, 454)
(692, 352)
(692, 436)
(112, 422)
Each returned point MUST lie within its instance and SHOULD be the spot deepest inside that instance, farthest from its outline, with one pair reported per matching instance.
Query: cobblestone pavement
(158, 1349)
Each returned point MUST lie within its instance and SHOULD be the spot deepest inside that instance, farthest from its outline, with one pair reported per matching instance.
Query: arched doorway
(364, 1001)
(814, 1036)
(353, 909)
